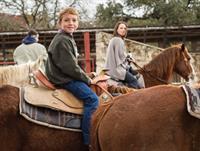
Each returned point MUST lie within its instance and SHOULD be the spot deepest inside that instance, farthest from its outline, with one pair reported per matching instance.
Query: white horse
(19, 75)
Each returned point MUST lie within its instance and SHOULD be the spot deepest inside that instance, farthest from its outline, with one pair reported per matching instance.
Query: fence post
(87, 52)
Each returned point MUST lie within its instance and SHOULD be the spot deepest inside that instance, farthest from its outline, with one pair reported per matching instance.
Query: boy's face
(69, 23)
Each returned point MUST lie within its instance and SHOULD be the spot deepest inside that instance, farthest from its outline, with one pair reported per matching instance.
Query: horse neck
(161, 67)
(16, 75)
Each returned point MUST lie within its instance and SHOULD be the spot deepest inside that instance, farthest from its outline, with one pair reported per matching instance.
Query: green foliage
(167, 12)
(173, 13)
(155, 13)
(108, 16)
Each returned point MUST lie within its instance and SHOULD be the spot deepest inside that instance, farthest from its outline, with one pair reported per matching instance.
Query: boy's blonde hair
(68, 10)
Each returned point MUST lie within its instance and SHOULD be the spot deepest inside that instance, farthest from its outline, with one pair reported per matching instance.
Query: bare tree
(40, 14)
(28, 10)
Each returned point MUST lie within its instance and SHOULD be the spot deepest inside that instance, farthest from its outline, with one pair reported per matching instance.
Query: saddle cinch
(44, 94)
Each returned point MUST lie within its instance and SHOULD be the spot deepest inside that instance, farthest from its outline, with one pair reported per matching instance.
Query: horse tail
(96, 121)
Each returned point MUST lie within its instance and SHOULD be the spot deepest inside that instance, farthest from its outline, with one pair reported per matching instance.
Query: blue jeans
(90, 100)
(130, 80)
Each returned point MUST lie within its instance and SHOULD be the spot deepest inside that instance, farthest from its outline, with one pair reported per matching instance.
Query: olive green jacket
(62, 63)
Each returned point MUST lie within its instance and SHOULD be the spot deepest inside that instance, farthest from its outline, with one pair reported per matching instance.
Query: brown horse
(160, 70)
(151, 119)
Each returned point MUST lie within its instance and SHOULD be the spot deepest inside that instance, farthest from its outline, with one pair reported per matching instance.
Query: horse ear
(183, 47)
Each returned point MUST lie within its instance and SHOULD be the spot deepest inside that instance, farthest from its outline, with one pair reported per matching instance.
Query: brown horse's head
(161, 68)
(183, 65)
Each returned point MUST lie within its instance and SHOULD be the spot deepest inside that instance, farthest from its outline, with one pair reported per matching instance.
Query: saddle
(43, 104)
(44, 94)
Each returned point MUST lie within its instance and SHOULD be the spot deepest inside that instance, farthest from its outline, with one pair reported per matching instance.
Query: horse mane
(17, 75)
(9, 75)
(160, 65)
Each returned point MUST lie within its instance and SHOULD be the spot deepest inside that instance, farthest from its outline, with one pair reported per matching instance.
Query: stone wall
(141, 52)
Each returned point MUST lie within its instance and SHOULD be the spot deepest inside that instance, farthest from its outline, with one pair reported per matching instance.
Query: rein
(151, 75)
(106, 109)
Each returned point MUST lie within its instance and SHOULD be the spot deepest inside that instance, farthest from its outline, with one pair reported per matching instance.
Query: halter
(32, 79)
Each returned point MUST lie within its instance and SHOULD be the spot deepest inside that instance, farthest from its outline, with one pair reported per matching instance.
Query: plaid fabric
(48, 117)
(193, 100)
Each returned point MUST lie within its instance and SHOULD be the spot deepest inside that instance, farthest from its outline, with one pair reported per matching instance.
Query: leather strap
(43, 79)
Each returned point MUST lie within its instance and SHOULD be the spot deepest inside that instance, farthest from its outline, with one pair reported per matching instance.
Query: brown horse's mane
(160, 65)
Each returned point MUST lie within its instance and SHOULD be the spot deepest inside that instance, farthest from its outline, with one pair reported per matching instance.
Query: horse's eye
(188, 59)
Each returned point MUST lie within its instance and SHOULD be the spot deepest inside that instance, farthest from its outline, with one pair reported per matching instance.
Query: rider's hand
(130, 59)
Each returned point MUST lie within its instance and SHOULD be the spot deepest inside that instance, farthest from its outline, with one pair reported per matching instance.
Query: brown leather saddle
(45, 94)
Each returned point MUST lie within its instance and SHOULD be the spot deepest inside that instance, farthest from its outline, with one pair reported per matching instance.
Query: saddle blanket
(193, 100)
(49, 117)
